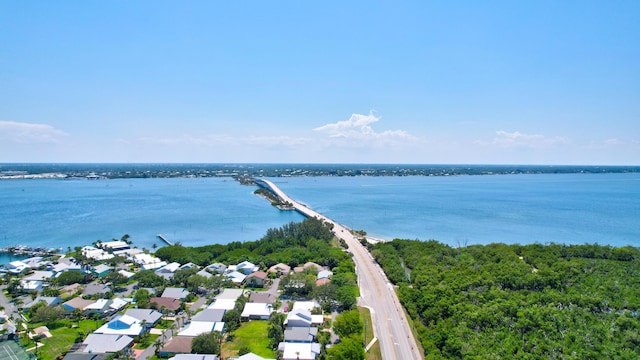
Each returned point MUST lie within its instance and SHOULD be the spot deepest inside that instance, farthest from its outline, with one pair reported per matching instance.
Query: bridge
(376, 292)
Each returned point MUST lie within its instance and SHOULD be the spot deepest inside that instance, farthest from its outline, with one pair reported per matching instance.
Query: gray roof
(93, 289)
(150, 316)
(300, 334)
(175, 293)
(194, 357)
(84, 356)
(102, 343)
(214, 315)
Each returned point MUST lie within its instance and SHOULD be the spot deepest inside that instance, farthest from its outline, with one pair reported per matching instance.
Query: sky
(412, 82)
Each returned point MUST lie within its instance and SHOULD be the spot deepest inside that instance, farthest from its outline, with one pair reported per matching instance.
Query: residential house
(168, 270)
(101, 270)
(105, 343)
(302, 318)
(100, 306)
(214, 315)
(84, 356)
(189, 265)
(44, 276)
(308, 265)
(48, 300)
(118, 303)
(70, 290)
(148, 262)
(17, 267)
(95, 254)
(96, 289)
(223, 304)
(195, 357)
(147, 316)
(300, 334)
(256, 279)
(169, 304)
(236, 276)
(262, 297)
(324, 274)
(231, 294)
(299, 351)
(126, 274)
(204, 273)
(77, 303)
(216, 268)
(280, 269)
(176, 345)
(195, 328)
(122, 325)
(250, 356)
(256, 311)
(175, 293)
(114, 246)
(246, 267)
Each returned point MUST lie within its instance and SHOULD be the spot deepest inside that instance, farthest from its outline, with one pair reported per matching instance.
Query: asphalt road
(376, 292)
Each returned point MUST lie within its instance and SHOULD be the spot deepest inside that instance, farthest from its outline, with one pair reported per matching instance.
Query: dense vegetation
(512, 301)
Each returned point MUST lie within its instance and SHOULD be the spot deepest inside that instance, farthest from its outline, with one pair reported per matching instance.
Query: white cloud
(358, 127)
(518, 139)
(27, 133)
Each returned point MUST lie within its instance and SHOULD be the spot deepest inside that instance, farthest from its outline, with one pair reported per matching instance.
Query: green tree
(206, 343)
(275, 329)
(350, 348)
(348, 323)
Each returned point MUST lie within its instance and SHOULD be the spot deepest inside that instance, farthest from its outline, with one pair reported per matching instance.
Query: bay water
(543, 208)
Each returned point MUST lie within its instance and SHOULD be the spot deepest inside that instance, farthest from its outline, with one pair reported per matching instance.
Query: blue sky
(471, 82)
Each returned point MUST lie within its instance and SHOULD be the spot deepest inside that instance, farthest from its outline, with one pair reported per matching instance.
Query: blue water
(561, 208)
(62, 213)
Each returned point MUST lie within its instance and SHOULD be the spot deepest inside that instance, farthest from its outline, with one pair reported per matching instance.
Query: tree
(142, 298)
(348, 323)
(232, 320)
(148, 278)
(350, 348)
(275, 329)
(206, 343)
(69, 277)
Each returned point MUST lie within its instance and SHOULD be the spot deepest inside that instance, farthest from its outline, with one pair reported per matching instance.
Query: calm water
(61, 213)
(562, 208)
(566, 208)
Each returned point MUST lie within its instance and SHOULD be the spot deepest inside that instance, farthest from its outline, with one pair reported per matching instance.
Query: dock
(161, 237)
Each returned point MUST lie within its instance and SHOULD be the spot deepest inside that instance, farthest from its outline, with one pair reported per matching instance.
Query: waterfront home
(17, 267)
(299, 351)
(256, 279)
(148, 316)
(280, 269)
(105, 343)
(256, 311)
(175, 293)
(95, 253)
(114, 246)
(122, 325)
(148, 262)
(35, 262)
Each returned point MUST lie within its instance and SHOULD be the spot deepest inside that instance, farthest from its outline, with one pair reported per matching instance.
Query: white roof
(102, 343)
(100, 304)
(121, 325)
(39, 276)
(256, 309)
(306, 305)
(114, 244)
(173, 267)
(300, 351)
(232, 294)
(236, 277)
(196, 328)
(118, 303)
(155, 265)
(224, 304)
(126, 274)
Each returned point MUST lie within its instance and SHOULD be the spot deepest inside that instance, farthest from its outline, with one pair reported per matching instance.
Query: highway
(376, 292)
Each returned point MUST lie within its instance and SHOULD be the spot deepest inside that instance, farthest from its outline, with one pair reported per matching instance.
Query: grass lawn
(146, 342)
(252, 334)
(374, 353)
(62, 338)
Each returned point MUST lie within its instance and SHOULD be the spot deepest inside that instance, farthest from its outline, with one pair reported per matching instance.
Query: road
(376, 292)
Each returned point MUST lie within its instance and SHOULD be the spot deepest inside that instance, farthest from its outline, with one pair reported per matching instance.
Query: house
(170, 304)
(35, 262)
(115, 245)
(307, 265)
(148, 316)
(246, 268)
(105, 343)
(259, 311)
(31, 285)
(176, 345)
(122, 325)
(77, 303)
(42, 331)
(101, 270)
(168, 270)
(148, 262)
(189, 265)
(223, 304)
(231, 294)
(299, 351)
(44, 276)
(175, 293)
(118, 303)
(196, 328)
(256, 279)
(194, 357)
(322, 282)
(214, 315)
(306, 305)
(324, 274)
(95, 289)
(302, 318)
(204, 273)
(98, 307)
(251, 356)
(126, 274)
(17, 267)
(262, 297)
(280, 269)
(300, 334)
(95, 254)
(84, 356)
(236, 276)
(216, 268)
(48, 300)
(63, 266)
(70, 290)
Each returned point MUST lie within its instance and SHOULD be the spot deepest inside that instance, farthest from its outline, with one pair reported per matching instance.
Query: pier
(161, 237)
